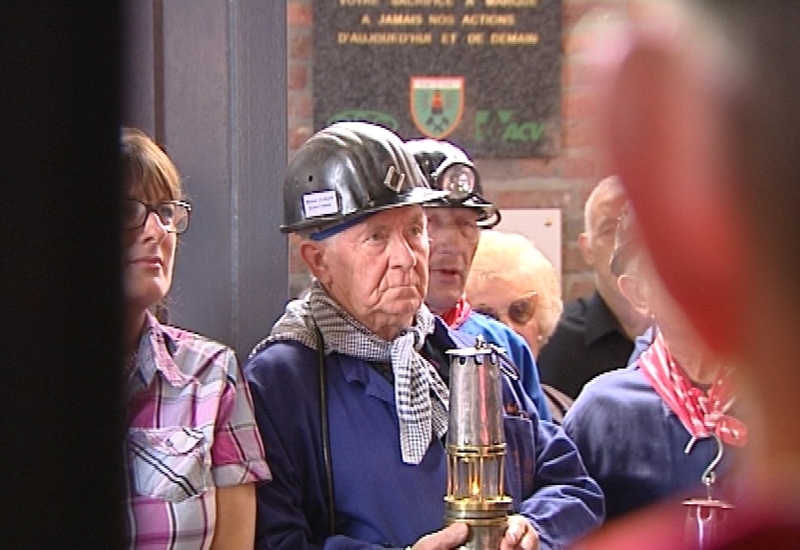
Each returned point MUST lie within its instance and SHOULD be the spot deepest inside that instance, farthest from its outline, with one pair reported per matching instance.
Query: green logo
(358, 115)
(437, 103)
(502, 125)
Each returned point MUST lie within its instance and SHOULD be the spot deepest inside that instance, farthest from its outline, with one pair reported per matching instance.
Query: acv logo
(359, 115)
(502, 125)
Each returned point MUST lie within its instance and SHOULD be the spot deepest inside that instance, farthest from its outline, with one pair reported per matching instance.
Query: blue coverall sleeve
(547, 477)
(530, 381)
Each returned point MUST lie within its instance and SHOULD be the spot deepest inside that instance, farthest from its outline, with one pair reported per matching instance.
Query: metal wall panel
(208, 78)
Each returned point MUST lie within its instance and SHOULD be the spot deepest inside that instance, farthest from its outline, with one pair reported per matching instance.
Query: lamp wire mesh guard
(476, 446)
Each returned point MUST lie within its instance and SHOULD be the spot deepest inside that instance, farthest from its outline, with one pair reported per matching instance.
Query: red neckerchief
(456, 315)
(704, 414)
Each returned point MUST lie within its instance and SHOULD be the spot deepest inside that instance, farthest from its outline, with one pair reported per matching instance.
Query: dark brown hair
(146, 167)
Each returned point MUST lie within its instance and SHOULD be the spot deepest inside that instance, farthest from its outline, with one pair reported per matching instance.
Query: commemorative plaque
(485, 74)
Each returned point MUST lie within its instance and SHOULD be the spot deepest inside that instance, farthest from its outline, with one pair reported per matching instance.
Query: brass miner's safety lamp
(476, 446)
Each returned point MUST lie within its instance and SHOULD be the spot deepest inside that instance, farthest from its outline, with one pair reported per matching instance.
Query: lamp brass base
(487, 521)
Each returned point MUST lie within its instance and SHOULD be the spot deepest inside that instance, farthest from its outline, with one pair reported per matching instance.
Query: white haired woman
(512, 281)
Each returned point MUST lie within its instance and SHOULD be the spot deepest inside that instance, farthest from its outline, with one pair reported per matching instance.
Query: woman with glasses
(193, 452)
(513, 282)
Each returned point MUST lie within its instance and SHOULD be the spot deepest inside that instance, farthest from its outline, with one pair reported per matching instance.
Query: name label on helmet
(321, 203)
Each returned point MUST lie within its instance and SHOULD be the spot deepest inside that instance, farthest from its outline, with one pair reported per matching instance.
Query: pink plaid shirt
(191, 429)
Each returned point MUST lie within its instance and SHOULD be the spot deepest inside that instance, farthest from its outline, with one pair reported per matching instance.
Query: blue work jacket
(380, 501)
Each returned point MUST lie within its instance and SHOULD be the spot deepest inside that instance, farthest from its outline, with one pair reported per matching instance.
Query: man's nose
(401, 254)
(446, 238)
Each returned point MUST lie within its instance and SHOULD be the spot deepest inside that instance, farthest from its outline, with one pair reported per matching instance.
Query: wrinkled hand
(448, 538)
(520, 535)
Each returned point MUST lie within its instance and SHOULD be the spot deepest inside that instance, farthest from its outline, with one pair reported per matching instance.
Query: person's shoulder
(610, 392)
(283, 368)
(181, 342)
(195, 355)
(281, 353)
(492, 330)
(626, 378)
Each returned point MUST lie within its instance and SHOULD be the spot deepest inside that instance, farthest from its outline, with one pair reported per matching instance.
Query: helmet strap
(332, 230)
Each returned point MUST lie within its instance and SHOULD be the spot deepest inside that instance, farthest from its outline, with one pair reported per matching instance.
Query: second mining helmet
(448, 168)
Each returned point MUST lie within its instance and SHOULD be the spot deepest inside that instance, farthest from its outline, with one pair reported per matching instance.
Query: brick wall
(561, 182)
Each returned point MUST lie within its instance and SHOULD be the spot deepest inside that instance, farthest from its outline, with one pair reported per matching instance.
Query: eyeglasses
(520, 310)
(173, 215)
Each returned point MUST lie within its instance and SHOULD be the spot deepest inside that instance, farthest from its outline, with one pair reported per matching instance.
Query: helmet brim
(489, 214)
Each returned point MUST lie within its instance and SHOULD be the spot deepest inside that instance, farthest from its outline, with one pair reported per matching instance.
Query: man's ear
(633, 291)
(586, 250)
(313, 254)
(667, 146)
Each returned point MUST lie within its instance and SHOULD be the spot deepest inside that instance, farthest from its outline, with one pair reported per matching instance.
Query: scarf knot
(703, 414)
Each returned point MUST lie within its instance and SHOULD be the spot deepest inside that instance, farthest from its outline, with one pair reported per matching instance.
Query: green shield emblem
(437, 103)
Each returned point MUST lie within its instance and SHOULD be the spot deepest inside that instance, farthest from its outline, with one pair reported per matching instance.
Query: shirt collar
(600, 320)
(156, 354)
(458, 314)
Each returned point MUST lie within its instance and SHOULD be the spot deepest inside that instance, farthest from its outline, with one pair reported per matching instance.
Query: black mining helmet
(448, 168)
(347, 171)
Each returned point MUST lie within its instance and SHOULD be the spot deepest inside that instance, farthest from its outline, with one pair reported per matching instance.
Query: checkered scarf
(415, 379)
(702, 414)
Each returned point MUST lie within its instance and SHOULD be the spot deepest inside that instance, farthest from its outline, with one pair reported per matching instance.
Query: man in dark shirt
(595, 333)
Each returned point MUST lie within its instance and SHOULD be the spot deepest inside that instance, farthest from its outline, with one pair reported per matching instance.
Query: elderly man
(595, 333)
(454, 226)
(659, 427)
(700, 102)
(351, 386)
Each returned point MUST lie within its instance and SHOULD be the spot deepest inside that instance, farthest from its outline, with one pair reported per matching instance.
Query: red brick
(299, 14)
(298, 77)
(604, 165)
(572, 258)
(578, 104)
(301, 105)
(577, 167)
(540, 167)
(578, 133)
(298, 136)
(300, 46)
(572, 222)
(575, 73)
(503, 169)
(494, 169)
(533, 198)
